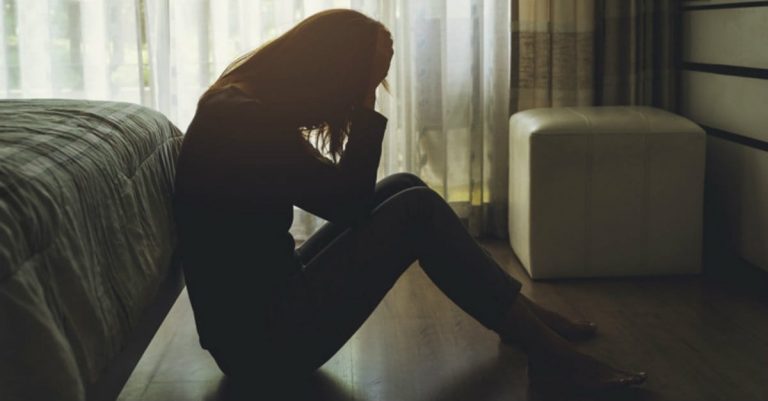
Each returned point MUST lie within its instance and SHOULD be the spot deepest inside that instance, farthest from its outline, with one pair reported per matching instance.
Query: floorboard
(699, 338)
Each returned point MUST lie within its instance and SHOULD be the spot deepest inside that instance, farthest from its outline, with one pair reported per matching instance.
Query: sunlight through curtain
(449, 101)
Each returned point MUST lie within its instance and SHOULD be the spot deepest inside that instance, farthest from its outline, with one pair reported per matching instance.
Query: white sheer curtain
(449, 99)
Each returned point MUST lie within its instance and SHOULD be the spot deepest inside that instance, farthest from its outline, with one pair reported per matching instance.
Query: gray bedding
(86, 236)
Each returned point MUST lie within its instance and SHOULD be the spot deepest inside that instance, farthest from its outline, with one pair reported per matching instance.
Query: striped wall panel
(724, 87)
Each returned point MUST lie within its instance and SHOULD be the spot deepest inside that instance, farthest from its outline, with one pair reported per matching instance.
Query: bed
(87, 266)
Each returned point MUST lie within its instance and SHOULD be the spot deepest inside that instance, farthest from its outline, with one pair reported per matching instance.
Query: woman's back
(232, 216)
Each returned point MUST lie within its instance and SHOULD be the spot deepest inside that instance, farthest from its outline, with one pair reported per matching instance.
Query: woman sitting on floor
(267, 311)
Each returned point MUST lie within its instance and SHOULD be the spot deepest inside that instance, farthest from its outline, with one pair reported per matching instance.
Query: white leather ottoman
(605, 191)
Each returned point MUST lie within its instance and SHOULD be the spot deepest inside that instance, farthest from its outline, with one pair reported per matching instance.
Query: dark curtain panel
(636, 52)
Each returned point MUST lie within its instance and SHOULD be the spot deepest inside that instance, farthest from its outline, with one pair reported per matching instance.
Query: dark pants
(348, 270)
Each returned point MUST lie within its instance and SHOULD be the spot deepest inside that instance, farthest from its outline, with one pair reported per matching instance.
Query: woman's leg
(391, 185)
(387, 187)
(326, 303)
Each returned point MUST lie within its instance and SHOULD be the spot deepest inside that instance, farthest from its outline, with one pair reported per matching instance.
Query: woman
(264, 310)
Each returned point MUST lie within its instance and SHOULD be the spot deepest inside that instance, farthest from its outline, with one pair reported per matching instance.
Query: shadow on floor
(505, 377)
(318, 387)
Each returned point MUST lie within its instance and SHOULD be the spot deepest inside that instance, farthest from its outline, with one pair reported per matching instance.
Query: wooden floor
(699, 338)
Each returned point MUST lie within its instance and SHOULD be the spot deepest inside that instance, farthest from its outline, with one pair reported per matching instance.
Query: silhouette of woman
(265, 310)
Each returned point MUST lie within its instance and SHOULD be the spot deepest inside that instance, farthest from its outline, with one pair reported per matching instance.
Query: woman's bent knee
(395, 183)
(407, 179)
(416, 201)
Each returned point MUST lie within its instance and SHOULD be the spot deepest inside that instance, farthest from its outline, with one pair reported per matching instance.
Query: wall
(724, 87)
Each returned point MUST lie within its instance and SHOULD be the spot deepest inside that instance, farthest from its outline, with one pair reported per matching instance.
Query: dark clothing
(238, 177)
(263, 309)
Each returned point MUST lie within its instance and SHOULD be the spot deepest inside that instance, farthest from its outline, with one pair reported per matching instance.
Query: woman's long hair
(316, 73)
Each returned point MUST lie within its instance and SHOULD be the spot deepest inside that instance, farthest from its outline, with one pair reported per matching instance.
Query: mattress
(86, 237)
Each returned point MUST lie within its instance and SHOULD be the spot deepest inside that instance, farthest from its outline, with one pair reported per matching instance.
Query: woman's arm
(278, 164)
(341, 192)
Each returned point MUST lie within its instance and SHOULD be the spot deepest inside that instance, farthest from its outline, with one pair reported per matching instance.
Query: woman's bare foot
(573, 330)
(553, 362)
